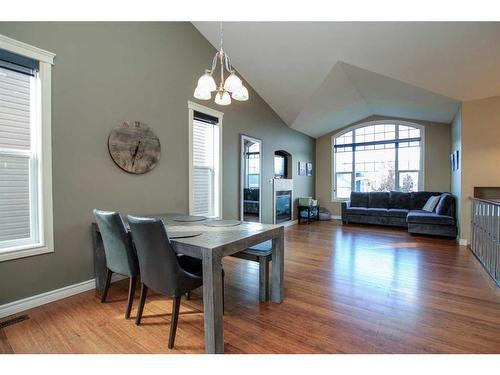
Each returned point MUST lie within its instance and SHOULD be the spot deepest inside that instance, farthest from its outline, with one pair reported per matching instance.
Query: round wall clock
(134, 147)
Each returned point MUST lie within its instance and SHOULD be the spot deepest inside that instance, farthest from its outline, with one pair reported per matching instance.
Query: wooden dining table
(211, 246)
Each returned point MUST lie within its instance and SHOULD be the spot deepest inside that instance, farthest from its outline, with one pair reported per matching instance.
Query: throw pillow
(431, 203)
(445, 205)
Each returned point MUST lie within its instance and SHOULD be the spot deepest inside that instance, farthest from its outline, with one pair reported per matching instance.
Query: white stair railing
(485, 230)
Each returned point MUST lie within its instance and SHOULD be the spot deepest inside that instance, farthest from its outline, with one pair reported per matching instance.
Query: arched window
(377, 156)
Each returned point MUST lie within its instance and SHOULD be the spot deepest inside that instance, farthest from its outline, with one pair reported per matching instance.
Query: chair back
(160, 269)
(118, 248)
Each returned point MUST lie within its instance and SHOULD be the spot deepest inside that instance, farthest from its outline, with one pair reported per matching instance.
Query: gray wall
(106, 73)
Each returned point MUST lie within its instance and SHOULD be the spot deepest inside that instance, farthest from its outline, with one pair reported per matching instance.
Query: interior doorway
(251, 179)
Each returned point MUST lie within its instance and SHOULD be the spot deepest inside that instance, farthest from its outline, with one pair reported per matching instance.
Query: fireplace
(282, 200)
(283, 206)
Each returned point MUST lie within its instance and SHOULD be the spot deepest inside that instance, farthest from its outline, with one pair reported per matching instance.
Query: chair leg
(106, 286)
(263, 279)
(131, 293)
(223, 292)
(173, 324)
(188, 296)
(142, 301)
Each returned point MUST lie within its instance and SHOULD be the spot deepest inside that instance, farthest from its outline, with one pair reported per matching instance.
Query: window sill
(339, 200)
(23, 252)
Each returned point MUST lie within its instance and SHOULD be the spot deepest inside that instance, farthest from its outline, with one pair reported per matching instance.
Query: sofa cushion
(356, 210)
(398, 212)
(400, 200)
(378, 199)
(425, 217)
(431, 203)
(419, 198)
(367, 211)
(359, 199)
(446, 205)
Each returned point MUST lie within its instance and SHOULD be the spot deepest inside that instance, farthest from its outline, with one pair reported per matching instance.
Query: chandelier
(232, 85)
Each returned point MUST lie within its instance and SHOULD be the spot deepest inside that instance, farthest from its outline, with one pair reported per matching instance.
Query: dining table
(210, 243)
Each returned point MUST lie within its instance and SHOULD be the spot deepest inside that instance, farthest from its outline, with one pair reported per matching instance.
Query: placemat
(223, 223)
(183, 234)
(188, 218)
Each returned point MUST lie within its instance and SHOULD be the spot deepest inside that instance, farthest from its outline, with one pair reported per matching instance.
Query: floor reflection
(377, 262)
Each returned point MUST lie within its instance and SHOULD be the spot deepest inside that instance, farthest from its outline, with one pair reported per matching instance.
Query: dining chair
(161, 268)
(120, 254)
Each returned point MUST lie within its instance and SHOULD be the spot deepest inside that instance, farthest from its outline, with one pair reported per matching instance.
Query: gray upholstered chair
(120, 253)
(161, 268)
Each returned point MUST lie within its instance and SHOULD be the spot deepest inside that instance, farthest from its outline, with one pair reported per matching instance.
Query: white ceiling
(320, 76)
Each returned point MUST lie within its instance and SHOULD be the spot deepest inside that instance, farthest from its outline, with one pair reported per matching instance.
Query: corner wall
(436, 160)
(481, 152)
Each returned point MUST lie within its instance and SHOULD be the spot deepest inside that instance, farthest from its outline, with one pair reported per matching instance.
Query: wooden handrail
(490, 201)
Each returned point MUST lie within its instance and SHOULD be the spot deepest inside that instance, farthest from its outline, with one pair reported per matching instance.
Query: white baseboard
(462, 241)
(51, 296)
(336, 217)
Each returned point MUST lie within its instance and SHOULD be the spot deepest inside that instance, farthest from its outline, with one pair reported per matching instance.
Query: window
(253, 165)
(205, 161)
(25, 150)
(379, 156)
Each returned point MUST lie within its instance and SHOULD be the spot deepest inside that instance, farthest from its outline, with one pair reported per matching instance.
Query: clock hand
(136, 149)
(135, 153)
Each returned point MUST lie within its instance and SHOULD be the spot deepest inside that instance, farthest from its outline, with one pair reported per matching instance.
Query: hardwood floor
(353, 289)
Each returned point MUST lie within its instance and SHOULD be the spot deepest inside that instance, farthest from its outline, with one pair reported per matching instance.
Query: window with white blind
(25, 160)
(205, 161)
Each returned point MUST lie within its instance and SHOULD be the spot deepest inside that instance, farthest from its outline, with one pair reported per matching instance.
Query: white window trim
(421, 181)
(192, 106)
(46, 60)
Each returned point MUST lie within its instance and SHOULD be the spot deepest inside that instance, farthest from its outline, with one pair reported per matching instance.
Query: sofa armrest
(345, 205)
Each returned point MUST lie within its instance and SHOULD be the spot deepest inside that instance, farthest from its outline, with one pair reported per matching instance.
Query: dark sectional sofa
(402, 210)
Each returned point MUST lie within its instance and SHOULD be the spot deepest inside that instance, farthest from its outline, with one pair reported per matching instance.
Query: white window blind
(205, 169)
(18, 160)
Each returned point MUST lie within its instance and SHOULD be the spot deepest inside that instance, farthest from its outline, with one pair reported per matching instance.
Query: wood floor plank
(348, 289)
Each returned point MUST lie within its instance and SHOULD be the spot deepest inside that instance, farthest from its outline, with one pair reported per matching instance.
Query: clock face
(134, 147)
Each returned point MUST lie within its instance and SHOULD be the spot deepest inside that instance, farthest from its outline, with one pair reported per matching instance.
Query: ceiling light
(232, 84)
(207, 82)
(222, 98)
(202, 94)
(241, 94)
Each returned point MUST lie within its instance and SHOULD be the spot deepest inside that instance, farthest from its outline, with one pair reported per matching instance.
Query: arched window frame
(397, 123)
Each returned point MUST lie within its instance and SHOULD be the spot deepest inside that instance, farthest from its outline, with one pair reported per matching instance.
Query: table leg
(212, 303)
(277, 293)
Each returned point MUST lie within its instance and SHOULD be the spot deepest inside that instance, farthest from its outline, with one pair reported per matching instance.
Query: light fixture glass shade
(207, 83)
(233, 83)
(241, 94)
(202, 94)
(222, 98)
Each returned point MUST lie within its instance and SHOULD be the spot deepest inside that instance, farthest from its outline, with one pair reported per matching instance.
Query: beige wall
(104, 74)
(436, 168)
(481, 152)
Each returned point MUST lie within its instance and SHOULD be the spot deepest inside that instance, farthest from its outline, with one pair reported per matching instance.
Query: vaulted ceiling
(321, 76)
